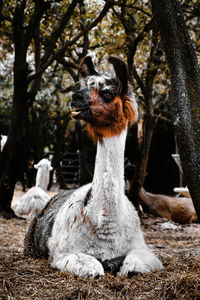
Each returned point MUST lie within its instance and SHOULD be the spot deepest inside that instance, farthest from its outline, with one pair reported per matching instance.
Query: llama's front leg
(80, 264)
(140, 261)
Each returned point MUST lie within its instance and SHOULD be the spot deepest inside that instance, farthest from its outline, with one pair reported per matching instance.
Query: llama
(42, 177)
(3, 140)
(177, 209)
(83, 230)
(36, 198)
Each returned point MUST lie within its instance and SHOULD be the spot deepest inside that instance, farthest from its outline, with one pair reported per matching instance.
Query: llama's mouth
(77, 113)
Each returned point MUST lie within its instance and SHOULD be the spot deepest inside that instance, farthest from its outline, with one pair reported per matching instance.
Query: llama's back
(32, 202)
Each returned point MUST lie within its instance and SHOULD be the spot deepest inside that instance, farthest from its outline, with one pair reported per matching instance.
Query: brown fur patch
(130, 111)
(109, 119)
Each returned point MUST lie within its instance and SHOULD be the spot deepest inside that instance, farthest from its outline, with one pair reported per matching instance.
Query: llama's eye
(107, 95)
(91, 82)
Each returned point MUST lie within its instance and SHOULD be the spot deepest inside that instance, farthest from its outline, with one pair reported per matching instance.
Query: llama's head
(45, 164)
(106, 102)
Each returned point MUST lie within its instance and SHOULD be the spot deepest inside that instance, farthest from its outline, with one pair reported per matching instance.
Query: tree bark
(149, 118)
(85, 175)
(185, 89)
(142, 160)
(14, 153)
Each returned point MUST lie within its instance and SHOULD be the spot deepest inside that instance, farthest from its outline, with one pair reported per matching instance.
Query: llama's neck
(108, 180)
(42, 178)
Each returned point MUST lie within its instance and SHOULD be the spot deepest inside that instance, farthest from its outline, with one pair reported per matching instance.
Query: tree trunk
(85, 175)
(14, 153)
(185, 90)
(142, 160)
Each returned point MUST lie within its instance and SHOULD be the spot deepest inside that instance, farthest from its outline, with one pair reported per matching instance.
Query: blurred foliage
(124, 32)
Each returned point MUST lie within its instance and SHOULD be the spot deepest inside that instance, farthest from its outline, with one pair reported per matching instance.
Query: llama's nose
(80, 98)
(77, 99)
(77, 95)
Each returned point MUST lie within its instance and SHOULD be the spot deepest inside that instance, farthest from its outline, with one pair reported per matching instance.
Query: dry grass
(179, 250)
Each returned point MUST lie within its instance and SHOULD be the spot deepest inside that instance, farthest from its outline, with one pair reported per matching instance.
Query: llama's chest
(100, 236)
(110, 239)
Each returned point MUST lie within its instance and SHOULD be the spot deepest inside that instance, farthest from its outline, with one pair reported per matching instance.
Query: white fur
(107, 227)
(31, 203)
(3, 141)
(42, 177)
(36, 198)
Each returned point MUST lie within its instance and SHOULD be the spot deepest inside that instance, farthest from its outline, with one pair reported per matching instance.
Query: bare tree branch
(139, 80)
(137, 8)
(57, 32)
(45, 63)
(69, 66)
(40, 8)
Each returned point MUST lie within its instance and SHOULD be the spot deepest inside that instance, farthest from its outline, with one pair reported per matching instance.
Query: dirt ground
(178, 247)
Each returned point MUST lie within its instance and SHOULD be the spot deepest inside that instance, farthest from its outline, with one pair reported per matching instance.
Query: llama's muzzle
(75, 113)
(80, 104)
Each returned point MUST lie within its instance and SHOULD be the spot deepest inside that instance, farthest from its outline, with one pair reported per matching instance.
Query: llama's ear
(130, 109)
(87, 67)
(121, 73)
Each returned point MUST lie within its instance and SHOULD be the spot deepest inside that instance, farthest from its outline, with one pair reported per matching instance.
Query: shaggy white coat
(3, 141)
(107, 227)
(36, 198)
(42, 177)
